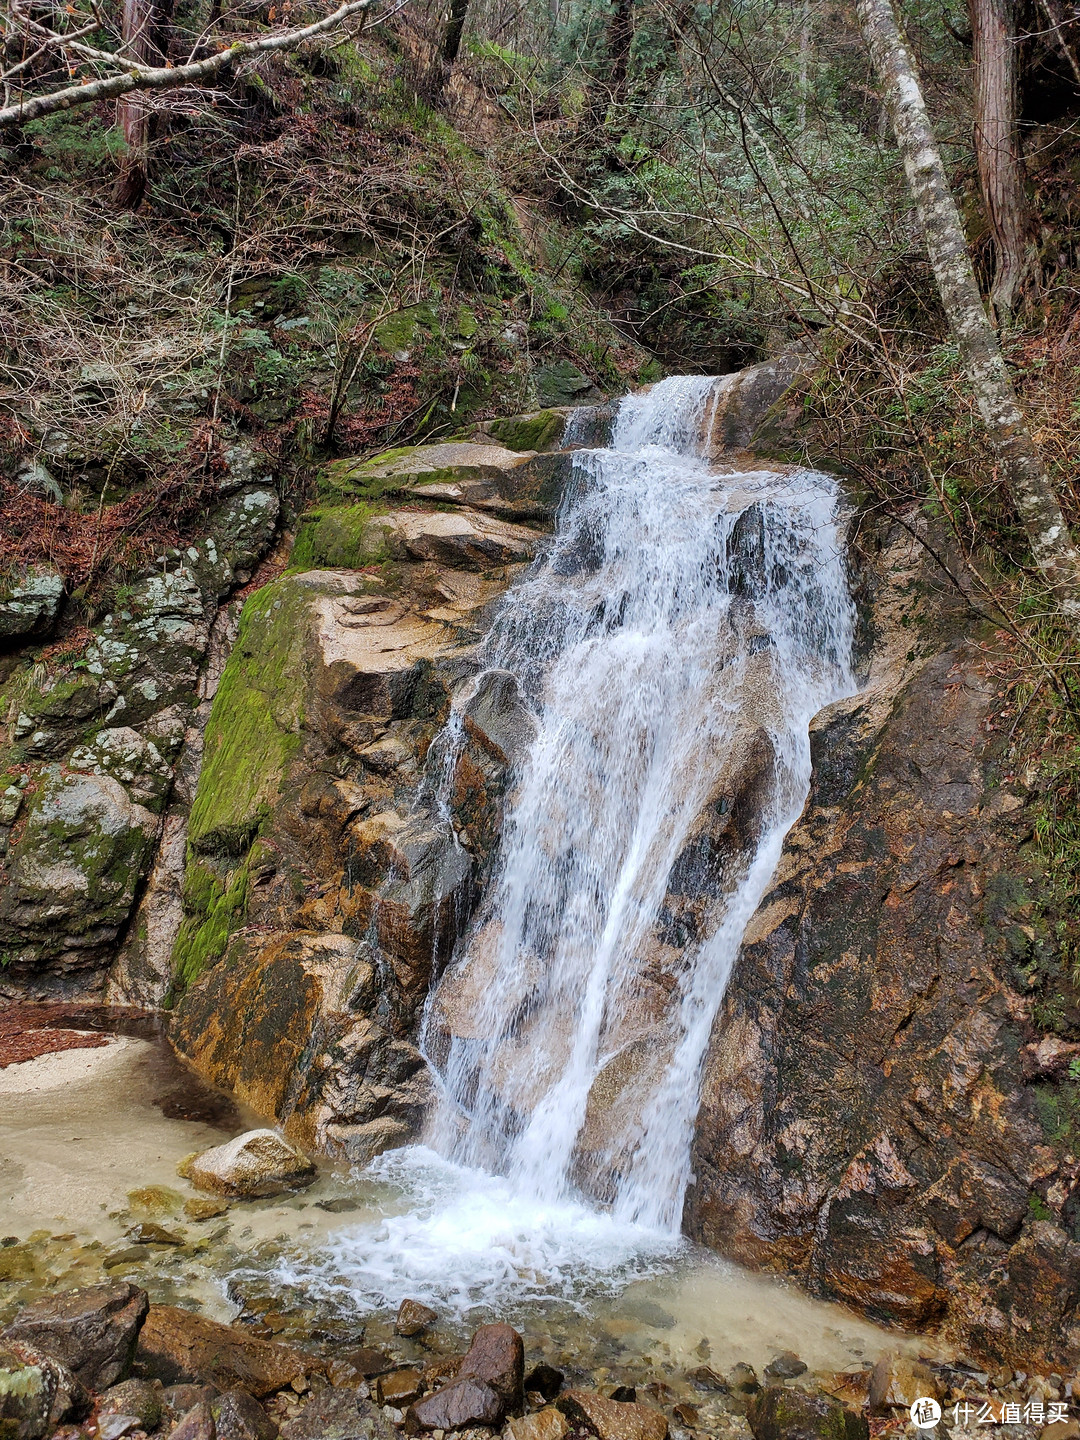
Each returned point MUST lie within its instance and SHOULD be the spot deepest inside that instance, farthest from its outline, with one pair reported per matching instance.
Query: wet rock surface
(873, 1118)
(257, 1163)
(93, 1332)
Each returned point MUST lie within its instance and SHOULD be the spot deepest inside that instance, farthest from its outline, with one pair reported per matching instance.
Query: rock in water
(413, 1317)
(496, 1357)
(197, 1424)
(457, 1405)
(549, 1424)
(37, 1393)
(612, 1419)
(777, 1413)
(785, 1366)
(239, 1416)
(399, 1388)
(256, 1163)
(92, 1331)
(178, 1346)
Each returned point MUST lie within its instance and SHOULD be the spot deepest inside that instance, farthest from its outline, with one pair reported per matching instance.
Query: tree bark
(997, 143)
(609, 88)
(1020, 466)
(455, 24)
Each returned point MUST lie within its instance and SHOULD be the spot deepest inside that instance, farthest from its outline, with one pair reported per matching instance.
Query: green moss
(528, 432)
(341, 537)
(342, 478)
(218, 907)
(255, 723)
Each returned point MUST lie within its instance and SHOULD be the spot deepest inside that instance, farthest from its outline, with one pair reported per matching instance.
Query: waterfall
(677, 612)
(673, 643)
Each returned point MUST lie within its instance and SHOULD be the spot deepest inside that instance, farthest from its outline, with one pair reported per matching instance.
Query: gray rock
(197, 1424)
(562, 383)
(337, 1415)
(32, 477)
(461, 1403)
(93, 1331)
(30, 606)
(496, 1357)
(130, 759)
(179, 1399)
(785, 1366)
(141, 1399)
(239, 1416)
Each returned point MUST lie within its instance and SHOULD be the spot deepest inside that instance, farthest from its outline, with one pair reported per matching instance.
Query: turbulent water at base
(679, 617)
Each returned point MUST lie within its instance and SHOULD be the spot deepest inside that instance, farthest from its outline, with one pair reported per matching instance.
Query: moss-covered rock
(542, 430)
(73, 869)
(345, 536)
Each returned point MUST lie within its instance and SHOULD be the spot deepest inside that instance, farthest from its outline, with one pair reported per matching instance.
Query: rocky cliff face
(332, 861)
(880, 1115)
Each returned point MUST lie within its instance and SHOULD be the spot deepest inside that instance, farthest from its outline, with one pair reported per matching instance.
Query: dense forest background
(412, 218)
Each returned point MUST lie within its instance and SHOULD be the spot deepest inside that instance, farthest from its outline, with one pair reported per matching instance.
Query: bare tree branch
(169, 77)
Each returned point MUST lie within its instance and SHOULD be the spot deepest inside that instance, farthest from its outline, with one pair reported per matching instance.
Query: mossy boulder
(73, 869)
(29, 604)
(780, 1413)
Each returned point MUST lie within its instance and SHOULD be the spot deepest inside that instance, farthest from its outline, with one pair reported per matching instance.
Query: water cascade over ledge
(671, 647)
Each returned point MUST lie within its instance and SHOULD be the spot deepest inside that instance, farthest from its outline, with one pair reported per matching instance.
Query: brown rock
(457, 1405)
(612, 1419)
(779, 1413)
(197, 1424)
(92, 1331)
(177, 1345)
(685, 1413)
(496, 1357)
(897, 1381)
(37, 1392)
(134, 1397)
(547, 1424)
(353, 1366)
(204, 1207)
(338, 1415)
(413, 1317)
(399, 1388)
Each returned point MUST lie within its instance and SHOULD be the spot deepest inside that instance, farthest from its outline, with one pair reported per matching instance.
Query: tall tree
(997, 143)
(1020, 465)
(145, 40)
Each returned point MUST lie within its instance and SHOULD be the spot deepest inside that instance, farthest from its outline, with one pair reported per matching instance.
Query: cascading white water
(645, 639)
(681, 619)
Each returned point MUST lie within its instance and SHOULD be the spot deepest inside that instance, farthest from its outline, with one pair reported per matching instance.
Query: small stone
(179, 1399)
(113, 1427)
(625, 1393)
(353, 1366)
(742, 1379)
(203, 1207)
(413, 1317)
(1061, 1430)
(336, 1415)
(239, 1416)
(547, 1424)
(197, 1424)
(780, 1413)
(155, 1201)
(255, 1164)
(784, 1366)
(399, 1388)
(685, 1413)
(461, 1403)
(341, 1206)
(898, 1381)
(93, 1331)
(496, 1356)
(545, 1381)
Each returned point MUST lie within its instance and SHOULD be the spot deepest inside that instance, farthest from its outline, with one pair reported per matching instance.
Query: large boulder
(93, 1331)
(257, 1163)
(457, 1406)
(179, 1347)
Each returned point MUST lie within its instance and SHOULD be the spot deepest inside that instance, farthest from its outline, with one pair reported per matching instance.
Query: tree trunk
(609, 88)
(145, 39)
(997, 143)
(1020, 465)
(455, 24)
